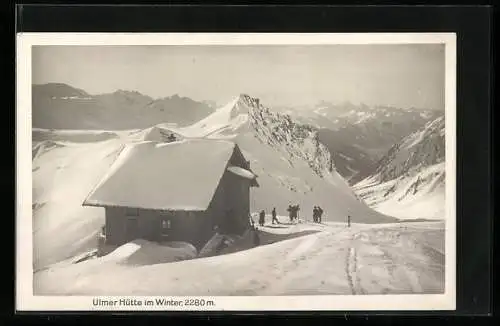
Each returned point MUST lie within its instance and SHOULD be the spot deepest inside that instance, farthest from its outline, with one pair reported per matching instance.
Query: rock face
(283, 133)
(421, 149)
(410, 179)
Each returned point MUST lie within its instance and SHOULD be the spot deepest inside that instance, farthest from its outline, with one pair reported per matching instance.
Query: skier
(274, 216)
(290, 213)
(320, 214)
(315, 214)
(262, 218)
(348, 221)
(297, 209)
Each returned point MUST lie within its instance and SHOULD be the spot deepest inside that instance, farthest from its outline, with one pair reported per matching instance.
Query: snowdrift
(142, 252)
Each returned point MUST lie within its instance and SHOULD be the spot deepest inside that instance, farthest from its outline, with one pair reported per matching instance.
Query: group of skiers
(262, 217)
(292, 210)
(293, 214)
(317, 214)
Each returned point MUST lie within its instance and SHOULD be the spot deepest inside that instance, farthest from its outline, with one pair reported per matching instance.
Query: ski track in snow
(350, 268)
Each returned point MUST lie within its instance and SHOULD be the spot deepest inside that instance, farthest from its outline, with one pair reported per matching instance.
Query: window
(166, 224)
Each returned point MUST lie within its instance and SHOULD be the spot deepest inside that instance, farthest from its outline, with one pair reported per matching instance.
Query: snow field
(335, 260)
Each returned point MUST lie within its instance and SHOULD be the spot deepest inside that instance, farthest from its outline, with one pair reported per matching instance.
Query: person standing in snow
(262, 218)
(294, 212)
(273, 213)
(320, 214)
(315, 212)
(296, 215)
(290, 212)
(348, 221)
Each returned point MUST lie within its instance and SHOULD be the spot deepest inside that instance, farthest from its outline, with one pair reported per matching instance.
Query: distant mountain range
(60, 106)
(358, 136)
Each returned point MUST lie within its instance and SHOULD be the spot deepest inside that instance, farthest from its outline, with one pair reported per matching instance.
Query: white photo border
(26, 301)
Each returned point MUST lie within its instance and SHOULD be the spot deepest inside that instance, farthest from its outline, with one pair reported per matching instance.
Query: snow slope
(419, 196)
(364, 259)
(410, 180)
(66, 166)
(62, 176)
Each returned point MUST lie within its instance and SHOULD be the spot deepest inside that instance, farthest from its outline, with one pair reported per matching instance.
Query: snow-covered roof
(244, 173)
(169, 176)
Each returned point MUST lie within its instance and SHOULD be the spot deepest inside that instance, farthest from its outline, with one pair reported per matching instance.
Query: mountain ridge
(61, 106)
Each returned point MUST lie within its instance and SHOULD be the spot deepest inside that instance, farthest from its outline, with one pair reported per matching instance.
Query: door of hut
(131, 229)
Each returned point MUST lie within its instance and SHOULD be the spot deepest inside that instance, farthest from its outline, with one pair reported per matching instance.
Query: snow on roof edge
(96, 203)
(119, 159)
(244, 173)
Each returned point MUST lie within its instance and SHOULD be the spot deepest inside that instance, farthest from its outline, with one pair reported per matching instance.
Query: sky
(404, 76)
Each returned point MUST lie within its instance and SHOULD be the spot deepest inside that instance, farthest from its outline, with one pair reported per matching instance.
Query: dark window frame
(165, 221)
